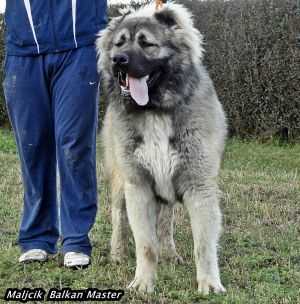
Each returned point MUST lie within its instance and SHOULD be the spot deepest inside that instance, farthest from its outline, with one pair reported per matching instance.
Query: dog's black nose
(121, 59)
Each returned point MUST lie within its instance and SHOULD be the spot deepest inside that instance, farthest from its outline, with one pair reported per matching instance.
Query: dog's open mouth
(137, 88)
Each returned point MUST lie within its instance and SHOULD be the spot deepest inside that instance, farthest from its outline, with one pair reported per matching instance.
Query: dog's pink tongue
(139, 90)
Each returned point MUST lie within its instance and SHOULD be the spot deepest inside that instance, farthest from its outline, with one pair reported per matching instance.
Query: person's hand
(159, 3)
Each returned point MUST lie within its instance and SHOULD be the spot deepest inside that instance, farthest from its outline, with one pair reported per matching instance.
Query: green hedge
(253, 58)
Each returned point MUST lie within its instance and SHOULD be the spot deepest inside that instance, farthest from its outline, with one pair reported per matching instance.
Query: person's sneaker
(76, 259)
(33, 255)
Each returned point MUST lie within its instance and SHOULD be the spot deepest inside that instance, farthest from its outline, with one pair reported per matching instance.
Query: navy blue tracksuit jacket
(51, 88)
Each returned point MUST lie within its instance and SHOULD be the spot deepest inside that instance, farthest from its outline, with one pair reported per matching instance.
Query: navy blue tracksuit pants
(52, 105)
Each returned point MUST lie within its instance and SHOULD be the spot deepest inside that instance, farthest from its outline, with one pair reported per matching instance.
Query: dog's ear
(114, 22)
(105, 36)
(166, 17)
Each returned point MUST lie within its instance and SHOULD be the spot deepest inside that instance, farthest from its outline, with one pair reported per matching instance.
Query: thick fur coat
(163, 136)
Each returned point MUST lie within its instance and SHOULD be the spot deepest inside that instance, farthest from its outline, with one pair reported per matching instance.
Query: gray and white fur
(167, 151)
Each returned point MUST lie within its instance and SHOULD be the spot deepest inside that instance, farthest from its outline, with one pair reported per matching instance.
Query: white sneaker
(33, 255)
(76, 259)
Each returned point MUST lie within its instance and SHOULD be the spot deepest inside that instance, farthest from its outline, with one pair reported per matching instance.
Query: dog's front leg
(205, 218)
(141, 209)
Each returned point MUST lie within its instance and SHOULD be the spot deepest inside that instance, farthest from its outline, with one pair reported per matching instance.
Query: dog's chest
(156, 154)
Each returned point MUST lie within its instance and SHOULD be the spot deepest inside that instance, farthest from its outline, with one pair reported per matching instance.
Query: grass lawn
(260, 245)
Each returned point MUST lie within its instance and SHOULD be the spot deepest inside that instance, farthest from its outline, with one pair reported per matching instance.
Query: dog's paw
(177, 259)
(205, 285)
(172, 258)
(117, 258)
(142, 284)
(118, 255)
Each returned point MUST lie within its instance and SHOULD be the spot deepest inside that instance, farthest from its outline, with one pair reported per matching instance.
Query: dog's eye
(146, 44)
(119, 43)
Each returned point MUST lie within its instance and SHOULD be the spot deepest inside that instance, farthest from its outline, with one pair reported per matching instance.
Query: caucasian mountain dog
(163, 136)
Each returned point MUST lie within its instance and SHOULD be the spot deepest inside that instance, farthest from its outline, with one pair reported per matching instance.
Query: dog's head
(143, 53)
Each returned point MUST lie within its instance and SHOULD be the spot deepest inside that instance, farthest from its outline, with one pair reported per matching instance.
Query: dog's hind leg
(165, 232)
(141, 209)
(205, 216)
(119, 239)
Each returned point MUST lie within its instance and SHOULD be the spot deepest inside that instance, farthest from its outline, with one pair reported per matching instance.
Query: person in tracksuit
(51, 88)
